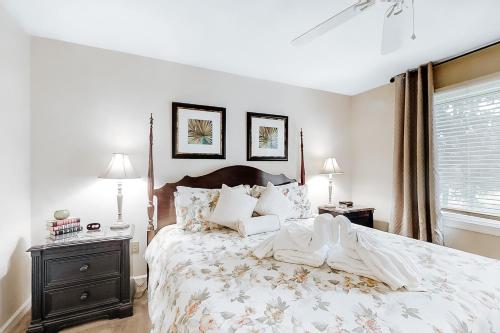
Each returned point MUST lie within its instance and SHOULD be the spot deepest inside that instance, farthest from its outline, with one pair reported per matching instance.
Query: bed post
(302, 169)
(151, 184)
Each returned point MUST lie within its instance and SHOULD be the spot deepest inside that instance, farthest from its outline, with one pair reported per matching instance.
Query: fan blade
(394, 32)
(333, 21)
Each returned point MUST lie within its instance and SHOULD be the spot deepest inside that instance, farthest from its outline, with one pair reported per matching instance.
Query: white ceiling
(252, 37)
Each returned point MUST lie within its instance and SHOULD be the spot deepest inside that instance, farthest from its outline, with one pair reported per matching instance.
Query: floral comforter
(210, 282)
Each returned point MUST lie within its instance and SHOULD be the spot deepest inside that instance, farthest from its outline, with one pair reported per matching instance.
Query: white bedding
(211, 282)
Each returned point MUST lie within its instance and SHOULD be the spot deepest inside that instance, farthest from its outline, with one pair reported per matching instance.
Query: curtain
(414, 211)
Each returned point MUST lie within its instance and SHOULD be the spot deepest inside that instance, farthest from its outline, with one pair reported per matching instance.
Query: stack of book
(63, 229)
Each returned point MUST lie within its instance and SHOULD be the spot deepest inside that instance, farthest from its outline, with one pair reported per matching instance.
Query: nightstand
(79, 279)
(359, 215)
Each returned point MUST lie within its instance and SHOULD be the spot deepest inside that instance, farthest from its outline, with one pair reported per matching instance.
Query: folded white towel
(258, 225)
(363, 254)
(342, 260)
(265, 249)
(313, 259)
(306, 236)
(394, 268)
(300, 242)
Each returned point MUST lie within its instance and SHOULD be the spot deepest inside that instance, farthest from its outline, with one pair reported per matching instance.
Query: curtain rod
(461, 55)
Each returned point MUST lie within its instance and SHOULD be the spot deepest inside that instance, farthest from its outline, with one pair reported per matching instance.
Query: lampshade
(331, 167)
(119, 168)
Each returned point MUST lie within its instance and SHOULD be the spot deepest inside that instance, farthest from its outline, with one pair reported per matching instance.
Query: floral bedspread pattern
(210, 282)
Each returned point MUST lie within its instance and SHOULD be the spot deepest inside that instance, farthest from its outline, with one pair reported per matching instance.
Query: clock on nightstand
(79, 279)
(358, 215)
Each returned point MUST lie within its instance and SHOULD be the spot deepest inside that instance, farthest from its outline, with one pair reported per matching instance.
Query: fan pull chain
(414, 36)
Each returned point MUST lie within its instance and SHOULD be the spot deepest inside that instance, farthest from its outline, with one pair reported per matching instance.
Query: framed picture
(267, 137)
(198, 131)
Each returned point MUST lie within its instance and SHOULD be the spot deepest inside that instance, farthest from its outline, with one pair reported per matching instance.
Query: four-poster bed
(230, 176)
(209, 280)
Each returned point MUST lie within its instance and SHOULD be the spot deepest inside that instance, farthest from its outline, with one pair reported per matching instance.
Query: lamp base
(119, 225)
(330, 205)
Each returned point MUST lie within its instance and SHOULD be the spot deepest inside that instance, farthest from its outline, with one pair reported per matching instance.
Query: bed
(210, 282)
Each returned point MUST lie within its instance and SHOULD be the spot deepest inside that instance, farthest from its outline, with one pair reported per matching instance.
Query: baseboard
(139, 285)
(137, 278)
(9, 325)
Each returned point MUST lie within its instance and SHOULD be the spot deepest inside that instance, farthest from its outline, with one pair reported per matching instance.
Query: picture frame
(198, 131)
(267, 137)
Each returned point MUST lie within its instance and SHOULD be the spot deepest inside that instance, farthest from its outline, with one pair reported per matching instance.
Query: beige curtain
(414, 205)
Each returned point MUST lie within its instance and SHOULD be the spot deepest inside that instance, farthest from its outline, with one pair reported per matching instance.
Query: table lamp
(330, 168)
(119, 168)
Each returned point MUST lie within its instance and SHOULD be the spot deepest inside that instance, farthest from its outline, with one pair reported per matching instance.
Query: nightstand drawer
(85, 267)
(364, 221)
(82, 297)
(358, 215)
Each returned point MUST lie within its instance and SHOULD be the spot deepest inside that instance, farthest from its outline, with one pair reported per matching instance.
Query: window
(467, 149)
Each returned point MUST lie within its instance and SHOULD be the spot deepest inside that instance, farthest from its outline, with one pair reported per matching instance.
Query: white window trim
(470, 223)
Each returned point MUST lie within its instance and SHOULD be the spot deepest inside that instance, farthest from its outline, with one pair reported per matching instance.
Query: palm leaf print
(199, 132)
(268, 137)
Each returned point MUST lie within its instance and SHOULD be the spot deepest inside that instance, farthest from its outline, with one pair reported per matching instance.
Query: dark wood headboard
(231, 176)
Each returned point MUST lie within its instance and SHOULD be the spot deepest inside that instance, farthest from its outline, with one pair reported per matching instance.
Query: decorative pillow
(193, 206)
(273, 202)
(300, 200)
(233, 205)
(192, 209)
(296, 193)
(257, 190)
(258, 225)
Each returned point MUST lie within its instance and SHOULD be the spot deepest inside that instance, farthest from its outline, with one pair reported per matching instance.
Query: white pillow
(256, 190)
(273, 202)
(295, 193)
(259, 225)
(233, 205)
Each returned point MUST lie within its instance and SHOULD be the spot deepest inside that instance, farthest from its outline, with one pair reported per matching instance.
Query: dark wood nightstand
(359, 215)
(80, 279)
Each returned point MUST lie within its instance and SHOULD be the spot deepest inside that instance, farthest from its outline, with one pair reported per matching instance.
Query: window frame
(463, 218)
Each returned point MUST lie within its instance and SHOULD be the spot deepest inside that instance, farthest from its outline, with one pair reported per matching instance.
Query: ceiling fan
(394, 19)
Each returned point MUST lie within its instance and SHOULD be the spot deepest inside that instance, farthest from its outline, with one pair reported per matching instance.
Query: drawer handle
(84, 296)
(84, 268)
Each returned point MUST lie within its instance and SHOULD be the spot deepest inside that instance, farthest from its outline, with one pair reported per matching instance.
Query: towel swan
(362, 253)
(344, 248)
(299, 243)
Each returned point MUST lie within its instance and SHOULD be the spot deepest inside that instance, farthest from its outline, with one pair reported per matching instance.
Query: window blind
(467, 148)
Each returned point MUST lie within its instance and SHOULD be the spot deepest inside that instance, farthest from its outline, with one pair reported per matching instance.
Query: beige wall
(14, 167)
(372, 145)
(372, 139)
(475, 242)
(88, 103)
(470, 67)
